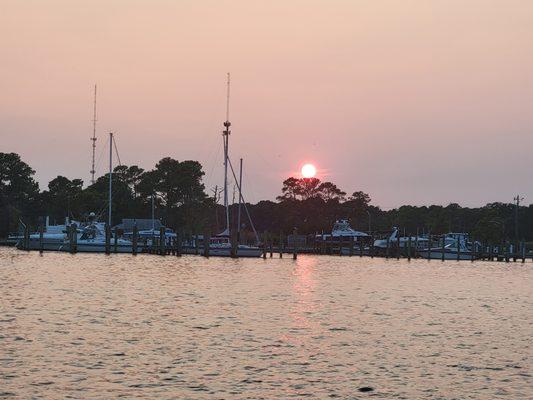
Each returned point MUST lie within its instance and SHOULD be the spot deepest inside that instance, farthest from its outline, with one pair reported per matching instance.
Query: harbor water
(94, 326)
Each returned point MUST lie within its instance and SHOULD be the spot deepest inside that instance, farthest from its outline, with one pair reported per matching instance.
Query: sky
(414, 102)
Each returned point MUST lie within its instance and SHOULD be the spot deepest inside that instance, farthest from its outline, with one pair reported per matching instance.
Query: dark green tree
(18, 191)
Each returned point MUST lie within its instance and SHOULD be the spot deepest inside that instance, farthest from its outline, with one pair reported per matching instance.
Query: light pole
(517, 200)
(369, 222)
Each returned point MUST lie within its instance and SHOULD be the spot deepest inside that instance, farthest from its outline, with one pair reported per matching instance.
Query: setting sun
(308, 171)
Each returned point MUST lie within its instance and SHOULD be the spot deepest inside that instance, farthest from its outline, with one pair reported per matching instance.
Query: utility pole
(517, 200)
(93, 139)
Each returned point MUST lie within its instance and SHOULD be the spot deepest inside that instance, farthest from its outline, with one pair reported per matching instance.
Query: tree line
(305, 204)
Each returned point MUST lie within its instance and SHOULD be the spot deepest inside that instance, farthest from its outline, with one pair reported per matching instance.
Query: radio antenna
(93, 139)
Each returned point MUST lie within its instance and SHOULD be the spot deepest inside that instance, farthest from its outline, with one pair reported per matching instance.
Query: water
(96, 326)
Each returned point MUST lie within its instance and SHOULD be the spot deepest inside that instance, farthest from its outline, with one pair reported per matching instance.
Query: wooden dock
(327, 246)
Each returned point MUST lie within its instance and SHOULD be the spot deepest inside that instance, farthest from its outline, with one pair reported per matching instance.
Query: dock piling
(41, 238)
(115, 240)
(107, 239)
(234, 241)
(207, 236)
(398, 247)
(178, 244)
(135, 240)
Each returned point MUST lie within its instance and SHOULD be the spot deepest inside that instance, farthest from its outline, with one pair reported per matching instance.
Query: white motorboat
(92, 236)
(220, 245)
(53, 237)
(341, 228)
(91, 239)
(417, 242)
(452, 246)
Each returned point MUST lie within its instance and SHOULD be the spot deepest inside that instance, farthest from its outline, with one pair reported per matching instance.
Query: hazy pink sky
(414, 102)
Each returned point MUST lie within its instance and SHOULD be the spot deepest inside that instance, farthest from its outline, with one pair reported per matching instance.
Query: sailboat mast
(225, 136)
(240, 202)
(110, 178)
(93, 139)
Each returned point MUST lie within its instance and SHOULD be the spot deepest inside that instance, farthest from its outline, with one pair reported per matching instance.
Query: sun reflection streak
(305, 303)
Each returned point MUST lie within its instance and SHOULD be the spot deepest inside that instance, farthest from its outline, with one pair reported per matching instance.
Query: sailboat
(220, 245)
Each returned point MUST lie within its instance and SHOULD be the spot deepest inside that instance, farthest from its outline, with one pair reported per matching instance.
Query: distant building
(296, 240)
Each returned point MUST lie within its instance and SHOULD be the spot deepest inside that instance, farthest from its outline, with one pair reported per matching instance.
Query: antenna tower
(93, 139)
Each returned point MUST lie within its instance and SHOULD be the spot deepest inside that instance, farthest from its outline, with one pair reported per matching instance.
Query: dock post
(523, 251)
(69, 238)
(75, 237)
(429, 245)
(178, 243)
(416, 244)
(458, 244)
(371, 246)
(271, 242)
(352, 244)
(398, 247)
(207, 237)
(234, 242)
(26, 239)
(387, 250)
(443, 247)
(264, 245)
(506, 252)
(135, 239)
(115, 240)
(409, 248)
(295, 247)
(107, 239)
(41, 238)
(341, 245)
(196, 244)
(473, 251)
(280, 244)
(162, 249)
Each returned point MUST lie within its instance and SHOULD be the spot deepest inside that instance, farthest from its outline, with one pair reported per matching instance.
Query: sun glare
(308, 171)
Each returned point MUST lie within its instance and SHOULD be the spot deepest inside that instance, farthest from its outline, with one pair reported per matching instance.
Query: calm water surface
(96, 326)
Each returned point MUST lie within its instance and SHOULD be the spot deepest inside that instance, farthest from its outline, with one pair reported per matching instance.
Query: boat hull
(251, 252)
(448, 255)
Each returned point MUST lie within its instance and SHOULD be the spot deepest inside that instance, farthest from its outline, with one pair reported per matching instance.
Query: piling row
(348, 246)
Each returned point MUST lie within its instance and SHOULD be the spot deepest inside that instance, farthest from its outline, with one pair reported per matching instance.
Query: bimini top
(341, 227)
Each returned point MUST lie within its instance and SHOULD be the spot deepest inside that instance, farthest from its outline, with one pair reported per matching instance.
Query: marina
(451, 246)
(263, 200)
